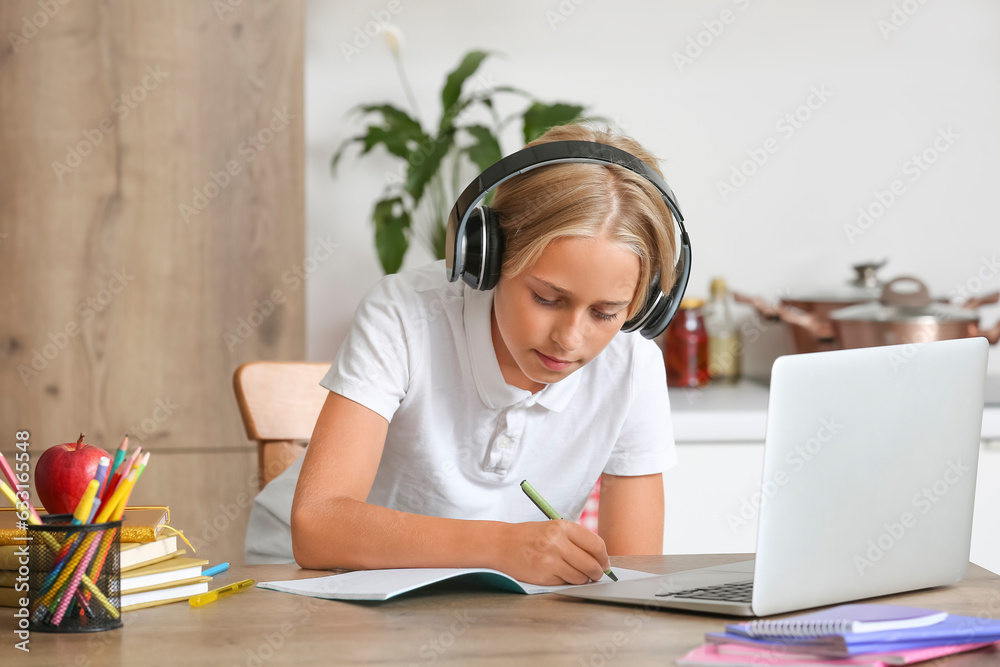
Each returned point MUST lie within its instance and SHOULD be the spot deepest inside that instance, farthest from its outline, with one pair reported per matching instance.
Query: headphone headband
(656, 312)
(543, 155)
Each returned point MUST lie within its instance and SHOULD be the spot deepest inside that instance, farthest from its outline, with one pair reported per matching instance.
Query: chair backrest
(280, 402)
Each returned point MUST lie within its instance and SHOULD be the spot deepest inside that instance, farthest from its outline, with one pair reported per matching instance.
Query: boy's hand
(550, 553)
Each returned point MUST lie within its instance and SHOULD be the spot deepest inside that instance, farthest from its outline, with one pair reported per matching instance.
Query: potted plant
(430, 177)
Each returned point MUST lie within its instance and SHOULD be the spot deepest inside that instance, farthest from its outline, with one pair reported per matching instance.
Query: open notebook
(385, 584)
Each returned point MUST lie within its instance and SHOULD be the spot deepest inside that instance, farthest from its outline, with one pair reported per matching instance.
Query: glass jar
(685, 346)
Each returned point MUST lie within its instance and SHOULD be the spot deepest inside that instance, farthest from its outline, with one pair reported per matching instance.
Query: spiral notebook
(845, 618)
(954, 629)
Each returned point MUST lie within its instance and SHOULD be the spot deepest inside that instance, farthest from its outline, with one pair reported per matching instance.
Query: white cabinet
(986, 524)
(711, 498)
(713, 495)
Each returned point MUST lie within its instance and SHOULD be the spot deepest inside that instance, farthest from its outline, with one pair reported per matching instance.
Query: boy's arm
(333, 526)
(630, 514)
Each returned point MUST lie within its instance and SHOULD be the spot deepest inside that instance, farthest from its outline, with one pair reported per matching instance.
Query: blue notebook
(953, 630)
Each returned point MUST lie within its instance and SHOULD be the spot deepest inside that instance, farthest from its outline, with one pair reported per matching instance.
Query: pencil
(8, 472)
(550, 511)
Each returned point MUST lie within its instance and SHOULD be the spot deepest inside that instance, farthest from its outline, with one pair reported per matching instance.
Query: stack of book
(157, 572)
(873, 635)
(154, 570)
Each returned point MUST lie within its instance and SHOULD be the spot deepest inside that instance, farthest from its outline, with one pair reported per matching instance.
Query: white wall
(889, 96)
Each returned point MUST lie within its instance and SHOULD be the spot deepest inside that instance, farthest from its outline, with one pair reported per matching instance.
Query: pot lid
(904, 305)
(865, 286)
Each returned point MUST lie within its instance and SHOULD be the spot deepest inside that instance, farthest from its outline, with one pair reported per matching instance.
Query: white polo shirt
(460, 439)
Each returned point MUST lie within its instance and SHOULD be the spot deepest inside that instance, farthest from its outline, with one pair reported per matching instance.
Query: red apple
(63, 473)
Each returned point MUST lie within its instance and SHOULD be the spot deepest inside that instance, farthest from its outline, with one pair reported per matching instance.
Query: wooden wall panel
(151, 199)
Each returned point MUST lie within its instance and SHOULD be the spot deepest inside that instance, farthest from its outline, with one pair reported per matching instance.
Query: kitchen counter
(738, 413)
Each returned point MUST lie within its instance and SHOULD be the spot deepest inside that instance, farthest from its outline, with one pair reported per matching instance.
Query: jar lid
(718, 287)
(691, 302)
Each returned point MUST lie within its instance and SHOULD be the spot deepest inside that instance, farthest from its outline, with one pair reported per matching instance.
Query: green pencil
(549, 511)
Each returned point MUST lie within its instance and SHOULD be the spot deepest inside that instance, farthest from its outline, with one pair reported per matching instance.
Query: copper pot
(808, 315)
(906, 316)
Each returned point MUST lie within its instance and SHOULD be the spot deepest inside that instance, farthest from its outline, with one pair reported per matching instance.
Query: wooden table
(432, 627)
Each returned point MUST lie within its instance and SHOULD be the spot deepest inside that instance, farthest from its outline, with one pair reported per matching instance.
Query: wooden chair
(279, 402)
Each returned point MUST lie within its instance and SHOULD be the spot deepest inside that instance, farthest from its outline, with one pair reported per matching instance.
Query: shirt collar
(493, 389)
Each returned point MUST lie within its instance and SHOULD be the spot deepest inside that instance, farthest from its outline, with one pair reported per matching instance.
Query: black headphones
(475, 243)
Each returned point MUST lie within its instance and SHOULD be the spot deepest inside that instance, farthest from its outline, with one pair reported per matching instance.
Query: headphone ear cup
(656, 313)
(653, 300)
(471, 243)
(663, 312)
(493, 251)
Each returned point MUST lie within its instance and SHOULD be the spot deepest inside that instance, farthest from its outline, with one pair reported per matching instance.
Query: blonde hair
(590, 201)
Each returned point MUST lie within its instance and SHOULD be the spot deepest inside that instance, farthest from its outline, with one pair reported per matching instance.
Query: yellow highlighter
(82, 512)
(212, 596)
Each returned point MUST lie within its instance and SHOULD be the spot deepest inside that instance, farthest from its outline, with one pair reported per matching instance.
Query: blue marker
(215, 569)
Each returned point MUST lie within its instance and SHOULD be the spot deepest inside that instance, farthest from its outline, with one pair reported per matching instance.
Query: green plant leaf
(452, 90)
(486, 150)
(394, 143)
(398, 133)
(539, 117)
(392, 223)
(424, 162)
(340, 151)
(396, 120)
(512, 89)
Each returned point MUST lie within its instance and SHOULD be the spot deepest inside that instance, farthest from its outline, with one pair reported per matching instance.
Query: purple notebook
(953, 629)
(843, 619)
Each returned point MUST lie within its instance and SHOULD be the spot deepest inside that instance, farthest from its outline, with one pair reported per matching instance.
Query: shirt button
(505, 442)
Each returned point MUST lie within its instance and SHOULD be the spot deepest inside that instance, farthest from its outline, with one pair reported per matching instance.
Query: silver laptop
(870, 459)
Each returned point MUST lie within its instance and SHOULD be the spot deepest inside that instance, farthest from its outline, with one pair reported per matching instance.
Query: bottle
(725, 344)
(685, 346)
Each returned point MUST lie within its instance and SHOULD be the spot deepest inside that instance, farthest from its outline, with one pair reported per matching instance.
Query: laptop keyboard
(738, 592)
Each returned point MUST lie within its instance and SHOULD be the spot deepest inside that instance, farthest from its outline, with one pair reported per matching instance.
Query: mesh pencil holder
(74, 576)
